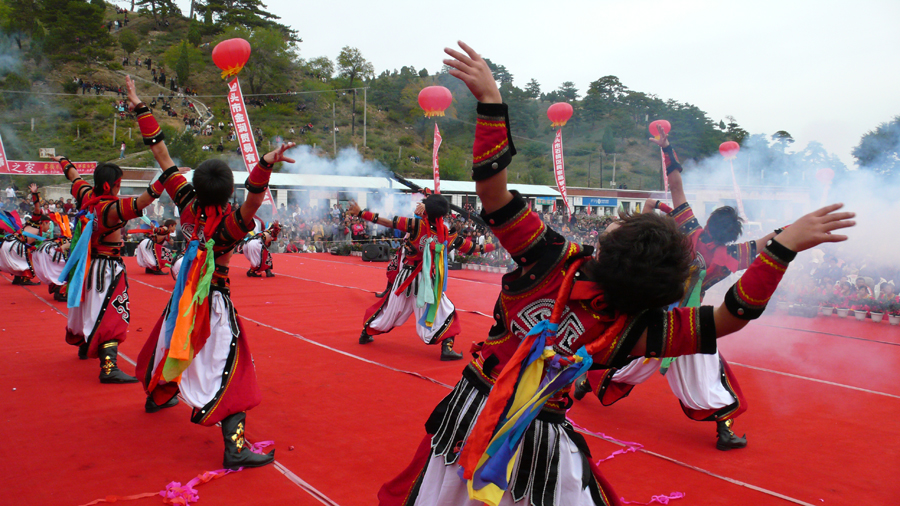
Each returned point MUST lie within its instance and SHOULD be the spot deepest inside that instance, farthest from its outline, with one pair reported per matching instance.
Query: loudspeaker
(454, 266)
(376, 253)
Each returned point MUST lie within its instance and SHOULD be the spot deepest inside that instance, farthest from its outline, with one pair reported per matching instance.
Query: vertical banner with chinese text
(244, 134)
(559, 170)
(434, 159)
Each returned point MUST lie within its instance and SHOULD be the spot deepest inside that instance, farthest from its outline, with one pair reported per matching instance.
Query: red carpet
(823, 396)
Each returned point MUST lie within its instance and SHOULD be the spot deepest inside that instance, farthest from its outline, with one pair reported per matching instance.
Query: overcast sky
(821, 70)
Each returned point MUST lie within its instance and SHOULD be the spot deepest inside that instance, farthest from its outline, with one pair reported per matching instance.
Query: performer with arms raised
(566, 307)
(151, 253)
(17, 248)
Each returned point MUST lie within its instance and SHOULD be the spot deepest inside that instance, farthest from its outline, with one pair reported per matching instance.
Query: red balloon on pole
(654, 131)
(231, 55)
(434, 100)
(825, 175)
(559, 113)
(729, 149)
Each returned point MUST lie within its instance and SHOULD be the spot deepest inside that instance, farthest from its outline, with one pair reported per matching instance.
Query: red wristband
(150, 130)
(747, 299)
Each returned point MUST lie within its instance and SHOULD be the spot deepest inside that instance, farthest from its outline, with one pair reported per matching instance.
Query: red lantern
(231, 55)
(729, 149)
(654, 131)
(825, 175)
(559, 113)
(434, 100)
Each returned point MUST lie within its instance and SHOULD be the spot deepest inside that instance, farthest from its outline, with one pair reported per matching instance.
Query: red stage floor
(824, 397)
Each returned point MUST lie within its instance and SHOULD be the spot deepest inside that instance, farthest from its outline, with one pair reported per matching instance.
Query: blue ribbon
(189, 255)
(77, 263)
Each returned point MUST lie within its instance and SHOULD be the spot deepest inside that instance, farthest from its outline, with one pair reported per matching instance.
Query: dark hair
(436, 206)
(169, 223)
(214, 182)
(106, 173)
(642, 264)
(724, 225)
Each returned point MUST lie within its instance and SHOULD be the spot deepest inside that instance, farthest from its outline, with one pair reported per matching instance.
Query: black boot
(152, 407)
(109, 370)
(270, 274)
(388, 287)
(727, 439)
(82, 351)
(237, 452)
(251, 274)
(582, 388)
(22, 280)
(365, 338)
(447, 353)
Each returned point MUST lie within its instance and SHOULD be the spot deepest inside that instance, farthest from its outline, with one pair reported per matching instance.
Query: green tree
(320, 67)
(352, 65)
(783, 139)
(19, 19)
(735, 132)
(533, 89)
(185, 59)
(159, 8)
(568, 92)
(501, 75)
(879, 150)
(608, 143)
(79, 27)
(194, 35)
(243, 14)
(129, 41)
(272, 62)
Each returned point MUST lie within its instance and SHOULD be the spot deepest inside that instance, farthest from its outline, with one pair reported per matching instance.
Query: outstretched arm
(354, 210)
(673, 168)
(747, 299)
(258, 180)
(493, 150)
(150, 130)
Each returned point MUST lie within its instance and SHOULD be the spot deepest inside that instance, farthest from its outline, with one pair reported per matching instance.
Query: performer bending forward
(704, 384)
(401, 302)
(205, 354)
(16, 249)
(503, 427)
(49, 259)
(151, 254)
(256, 249)
(98, 303)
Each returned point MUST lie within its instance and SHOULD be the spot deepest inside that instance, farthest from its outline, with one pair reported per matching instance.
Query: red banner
(434, 159)
(244, 134)
(559, 170)
(42, 168)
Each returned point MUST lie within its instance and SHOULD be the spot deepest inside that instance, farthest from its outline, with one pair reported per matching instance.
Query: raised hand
(278, 154)
(815, 228)
(33, 187)
(663, 140)
(471, 69)
(57, 159)
(131, 91)
(353, 209)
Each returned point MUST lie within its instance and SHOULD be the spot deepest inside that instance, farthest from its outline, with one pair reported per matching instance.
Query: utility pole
(614, 171)
(333, 134)
(365, 111)
(590, 159)
(114, 131)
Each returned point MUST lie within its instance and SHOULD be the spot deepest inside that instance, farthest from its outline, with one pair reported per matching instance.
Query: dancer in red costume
(256, 249)
(704, 384)
(151, 253)
(17, 248)
(604, 307)
(205, 355)
(401, 301)
(99, 322)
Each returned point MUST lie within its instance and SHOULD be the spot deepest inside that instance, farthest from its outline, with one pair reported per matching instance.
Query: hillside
(286, 91)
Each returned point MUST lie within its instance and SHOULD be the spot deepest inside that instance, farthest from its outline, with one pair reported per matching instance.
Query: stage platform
(823, 395)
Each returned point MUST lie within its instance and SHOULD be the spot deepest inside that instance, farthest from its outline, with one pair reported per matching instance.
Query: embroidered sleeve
(410, 225)
(180, 190)
(119, 211)
(687, 222)
(81, 191)
(744, 253)
(232, 229)
(681, 331)
(522, 233)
